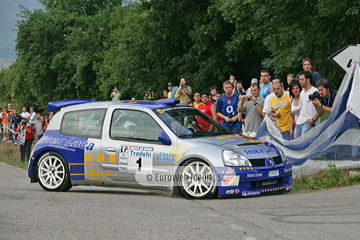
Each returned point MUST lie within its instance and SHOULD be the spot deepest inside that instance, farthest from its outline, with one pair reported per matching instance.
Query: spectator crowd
(294, 109)
(22, 128)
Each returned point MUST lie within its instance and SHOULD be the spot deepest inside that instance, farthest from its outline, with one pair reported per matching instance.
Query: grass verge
(327, 179)
(14, 163)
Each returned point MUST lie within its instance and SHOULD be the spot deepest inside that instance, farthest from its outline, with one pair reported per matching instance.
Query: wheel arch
(34, 175)
(195, 157)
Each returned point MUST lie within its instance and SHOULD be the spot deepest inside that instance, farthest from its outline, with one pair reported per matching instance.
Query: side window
(83, 123)
(133, 125)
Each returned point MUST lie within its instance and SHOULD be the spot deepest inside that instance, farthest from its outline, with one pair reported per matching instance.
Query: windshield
(187, 121)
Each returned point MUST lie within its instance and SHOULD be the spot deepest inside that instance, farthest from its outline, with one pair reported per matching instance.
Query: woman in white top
(294, 104)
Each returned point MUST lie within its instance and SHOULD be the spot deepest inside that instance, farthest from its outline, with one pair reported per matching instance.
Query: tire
(53, 173)
(198, 180)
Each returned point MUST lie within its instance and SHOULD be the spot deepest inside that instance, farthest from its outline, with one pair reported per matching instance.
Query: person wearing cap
(10, 109)
(115, 94)
(248, 91)
(149, 95)
(172, 90)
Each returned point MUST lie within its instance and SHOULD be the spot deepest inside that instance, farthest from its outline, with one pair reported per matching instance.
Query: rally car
(153, 144)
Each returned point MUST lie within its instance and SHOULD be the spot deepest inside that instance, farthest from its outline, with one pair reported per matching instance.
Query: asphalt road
(29, 212)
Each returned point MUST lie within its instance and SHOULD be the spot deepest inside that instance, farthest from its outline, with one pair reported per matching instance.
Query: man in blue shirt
(226, 108)
(15, 120)
(265, 83)
(172, 90)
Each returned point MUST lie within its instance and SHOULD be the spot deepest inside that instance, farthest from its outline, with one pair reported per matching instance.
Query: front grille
(266, 183)
(257, 162)
(261, 162)
(277, 159)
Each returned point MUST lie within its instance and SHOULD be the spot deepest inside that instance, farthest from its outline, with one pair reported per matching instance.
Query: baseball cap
(170, 84)
(9, 104)
(254, 80)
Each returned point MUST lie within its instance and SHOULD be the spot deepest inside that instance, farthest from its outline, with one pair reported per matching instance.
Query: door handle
(110, 150)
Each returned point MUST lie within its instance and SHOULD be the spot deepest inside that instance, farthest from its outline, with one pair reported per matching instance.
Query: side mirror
(164, 138)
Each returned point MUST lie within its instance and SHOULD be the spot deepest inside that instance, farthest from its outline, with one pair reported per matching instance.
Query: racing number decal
(135, 159)
(139, 163)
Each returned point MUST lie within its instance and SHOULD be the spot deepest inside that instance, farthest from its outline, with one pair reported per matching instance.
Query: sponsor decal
(250, 139)
(135, 158)
(172, 156)
(250, 193)
(250, 175)
(230, 180)
(267, 183)
(286, 170)
(232, 191)
(71, 143)
(165, 157)
(140, 153)
(160, 111)
(260, 151)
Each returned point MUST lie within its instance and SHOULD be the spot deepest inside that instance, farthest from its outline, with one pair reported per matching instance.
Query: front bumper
(254, 181)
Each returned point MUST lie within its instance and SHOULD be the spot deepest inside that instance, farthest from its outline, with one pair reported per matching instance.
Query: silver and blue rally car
(153, 144)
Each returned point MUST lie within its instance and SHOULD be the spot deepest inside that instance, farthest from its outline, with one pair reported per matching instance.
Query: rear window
(83, 123)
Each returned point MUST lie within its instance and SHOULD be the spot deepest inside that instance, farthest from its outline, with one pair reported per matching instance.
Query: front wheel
(197, 180)
(53, 173)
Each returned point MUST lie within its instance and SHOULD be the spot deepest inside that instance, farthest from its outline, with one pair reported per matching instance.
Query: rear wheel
(53, 173)
(198, 180)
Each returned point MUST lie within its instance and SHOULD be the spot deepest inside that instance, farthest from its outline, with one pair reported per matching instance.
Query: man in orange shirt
(5, 123)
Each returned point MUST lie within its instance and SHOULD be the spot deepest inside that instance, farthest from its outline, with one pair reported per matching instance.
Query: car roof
(91, 103)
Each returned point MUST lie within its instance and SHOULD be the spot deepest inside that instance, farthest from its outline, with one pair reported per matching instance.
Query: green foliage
(330, 178)
(7, 81)
(292, 30)
(83, 48)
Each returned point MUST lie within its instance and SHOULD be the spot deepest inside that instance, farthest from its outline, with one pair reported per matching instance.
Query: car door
(131, 147)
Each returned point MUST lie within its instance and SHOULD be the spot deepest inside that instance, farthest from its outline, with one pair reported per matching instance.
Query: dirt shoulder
(9, 150)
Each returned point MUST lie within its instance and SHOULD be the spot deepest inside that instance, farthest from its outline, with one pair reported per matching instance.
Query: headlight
(282, 154)
(234, 159)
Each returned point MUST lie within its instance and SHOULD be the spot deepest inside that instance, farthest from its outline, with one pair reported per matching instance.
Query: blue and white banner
(21, 136)
(336, 139)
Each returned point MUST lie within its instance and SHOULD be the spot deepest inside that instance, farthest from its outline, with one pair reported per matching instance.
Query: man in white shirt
(32, 116)
(308, 115)
(25, 114)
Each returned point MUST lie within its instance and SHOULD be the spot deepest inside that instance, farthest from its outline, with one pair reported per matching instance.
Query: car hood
(249, 147)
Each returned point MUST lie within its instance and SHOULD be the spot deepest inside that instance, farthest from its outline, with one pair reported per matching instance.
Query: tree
(292, 30)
